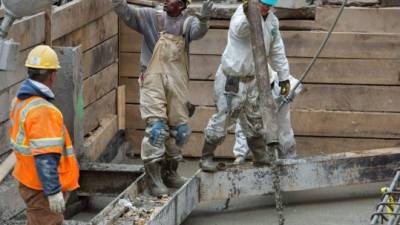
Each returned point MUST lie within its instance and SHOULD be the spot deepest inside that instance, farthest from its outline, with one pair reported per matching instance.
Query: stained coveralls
(286, 135)
(164, 93)
(237, 66)
(46, 163)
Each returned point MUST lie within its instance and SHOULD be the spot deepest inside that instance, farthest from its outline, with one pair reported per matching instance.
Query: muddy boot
(207, 163)
(158, 188)
(170, 176)
(258, 148)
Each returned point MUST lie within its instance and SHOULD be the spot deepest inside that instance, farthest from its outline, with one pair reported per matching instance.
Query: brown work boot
(170, 175)
(259, 150)
(153, 170)
(207, 163)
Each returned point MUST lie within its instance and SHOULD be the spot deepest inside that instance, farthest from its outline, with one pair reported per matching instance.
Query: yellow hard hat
(43, 57)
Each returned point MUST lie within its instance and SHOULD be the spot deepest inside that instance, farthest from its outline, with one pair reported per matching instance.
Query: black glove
(232, 84)
(285, 87)
(191, 108)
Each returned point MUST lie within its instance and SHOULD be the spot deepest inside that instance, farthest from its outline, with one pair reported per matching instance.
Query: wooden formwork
(92, 25)
(349, 101)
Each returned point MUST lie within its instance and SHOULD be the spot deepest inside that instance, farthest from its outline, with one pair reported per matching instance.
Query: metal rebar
(379, 211)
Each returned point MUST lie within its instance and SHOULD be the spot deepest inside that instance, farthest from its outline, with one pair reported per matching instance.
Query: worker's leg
(153, 111)
(219, 123)
(252, 126)
(178, 117)
(286, 135)
(240, 149)
(37, 208)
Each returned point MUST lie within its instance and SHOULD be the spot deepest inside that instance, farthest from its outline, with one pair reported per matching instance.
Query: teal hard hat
(269, 2)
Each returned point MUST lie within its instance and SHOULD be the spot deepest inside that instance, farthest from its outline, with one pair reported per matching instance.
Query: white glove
(206, 9)
(56, 202)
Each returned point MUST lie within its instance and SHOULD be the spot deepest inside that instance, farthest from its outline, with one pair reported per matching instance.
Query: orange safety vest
(37, 127)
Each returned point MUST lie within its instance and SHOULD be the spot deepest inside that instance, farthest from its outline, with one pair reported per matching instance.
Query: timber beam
(334, 170)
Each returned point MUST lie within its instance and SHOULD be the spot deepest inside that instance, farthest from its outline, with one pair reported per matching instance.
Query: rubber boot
(170, 176)
(258, 148)
(207, 163)
(158, 188)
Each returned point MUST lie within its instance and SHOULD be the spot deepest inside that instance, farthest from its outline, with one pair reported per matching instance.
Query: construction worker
(235, 85)
(46, 167)
(286, 135)
(163, 83)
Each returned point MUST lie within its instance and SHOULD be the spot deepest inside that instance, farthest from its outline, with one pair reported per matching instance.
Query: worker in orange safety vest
(46, 166)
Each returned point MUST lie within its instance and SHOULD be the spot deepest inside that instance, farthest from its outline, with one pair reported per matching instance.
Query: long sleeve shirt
(146, 21)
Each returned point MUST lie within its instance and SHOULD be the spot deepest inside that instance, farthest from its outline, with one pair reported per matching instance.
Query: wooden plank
(348, 71)
(331, 171)
(388, 3)
(353, 2)
(331, 71)
(349, 98)
(7, 165)
(91, 34)
(298, 44)
(95, 112)
(100, 84)
(306, 146)
(121, 107)
(9, 79)
(70, 17)
(48, 27)
(29, 31)
(364, 98)
(309, 123)
(4, 138)
(4, 106)
(96, 143)
(100, 57)
(2, 12)
(360, 19)
(346, 124)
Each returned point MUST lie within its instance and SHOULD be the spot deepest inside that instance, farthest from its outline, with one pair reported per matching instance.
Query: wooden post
(121, 100)
(48, 27)
(268, 107)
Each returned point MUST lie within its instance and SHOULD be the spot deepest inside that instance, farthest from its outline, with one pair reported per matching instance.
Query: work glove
(191, 108)
(245, 7)
(56, 202)
(285, 87)
(206, 10)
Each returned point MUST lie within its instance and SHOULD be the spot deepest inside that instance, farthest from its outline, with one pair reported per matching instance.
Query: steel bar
(381, 208)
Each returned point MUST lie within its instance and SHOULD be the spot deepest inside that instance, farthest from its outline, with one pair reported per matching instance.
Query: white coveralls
(286, 135)
(237, 61)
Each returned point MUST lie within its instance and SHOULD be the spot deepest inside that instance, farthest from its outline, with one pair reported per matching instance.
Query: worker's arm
(239, 26)
(135, 18)
(44, 129)
(199, 26)
(277, 55)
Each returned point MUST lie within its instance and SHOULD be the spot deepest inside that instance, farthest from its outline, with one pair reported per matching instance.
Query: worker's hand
(206, 10)
(56, 202)
(245, 7)
(285, 87)
(191, 108)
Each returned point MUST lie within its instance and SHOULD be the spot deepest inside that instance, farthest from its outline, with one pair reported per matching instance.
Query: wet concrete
(346, 212)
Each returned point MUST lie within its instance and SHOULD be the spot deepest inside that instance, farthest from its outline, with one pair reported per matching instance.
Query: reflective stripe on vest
(38, 143)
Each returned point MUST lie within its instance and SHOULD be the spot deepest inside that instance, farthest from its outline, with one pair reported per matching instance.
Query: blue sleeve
(47, 169)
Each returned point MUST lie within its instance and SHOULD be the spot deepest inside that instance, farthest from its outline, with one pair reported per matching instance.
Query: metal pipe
(6, 25)
(381, 207)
